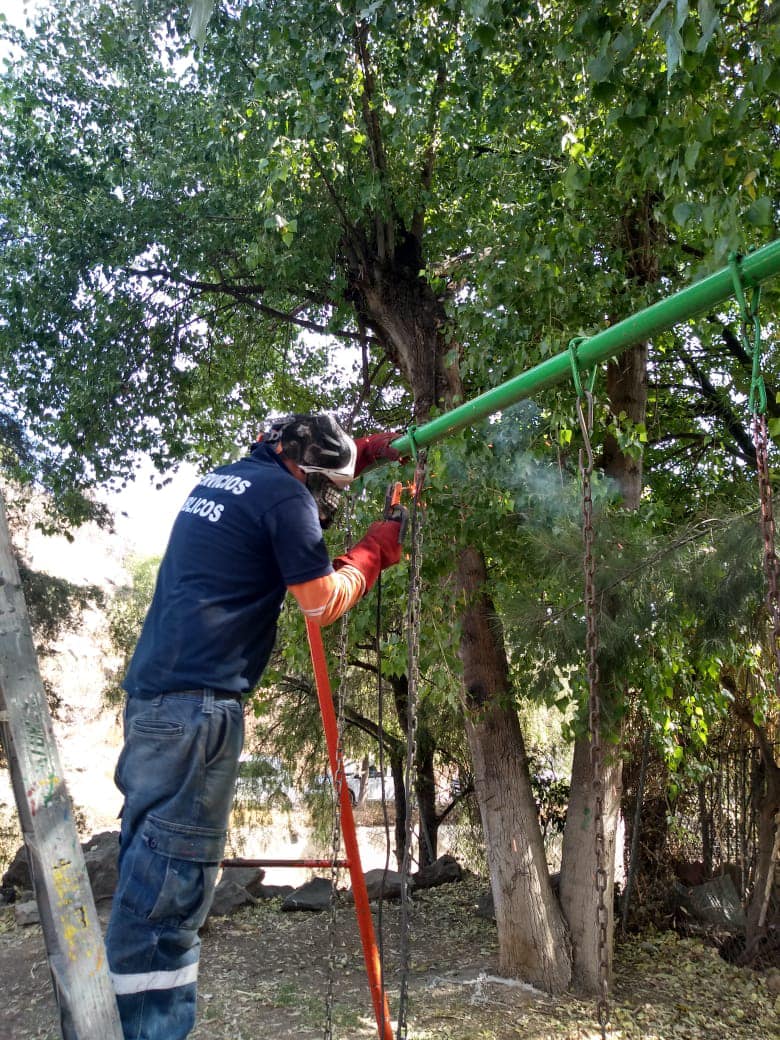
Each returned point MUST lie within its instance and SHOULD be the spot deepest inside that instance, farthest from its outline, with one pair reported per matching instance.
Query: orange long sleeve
(326, 599)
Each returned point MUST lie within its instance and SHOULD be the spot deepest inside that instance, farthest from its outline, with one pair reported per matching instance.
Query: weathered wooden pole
(74, 941)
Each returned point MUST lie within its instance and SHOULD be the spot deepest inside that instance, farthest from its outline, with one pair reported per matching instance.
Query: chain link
(761, 441)
(750, 322)
(413, 616)
(594, 710)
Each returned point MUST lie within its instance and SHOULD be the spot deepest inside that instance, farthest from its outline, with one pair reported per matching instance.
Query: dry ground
(264, 976)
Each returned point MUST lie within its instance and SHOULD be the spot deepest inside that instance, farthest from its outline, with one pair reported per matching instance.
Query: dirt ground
(265, 975)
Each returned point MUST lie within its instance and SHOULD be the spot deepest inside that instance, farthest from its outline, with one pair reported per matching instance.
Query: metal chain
(380, 712)
(761, 441)
(413, 615)
(749, 320)
(594, 709)
(750, 332)
(338, 780)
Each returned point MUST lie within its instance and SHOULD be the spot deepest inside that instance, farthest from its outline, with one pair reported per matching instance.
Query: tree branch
(418, 221)
(722, 410)
(385, 232)
(244, 295)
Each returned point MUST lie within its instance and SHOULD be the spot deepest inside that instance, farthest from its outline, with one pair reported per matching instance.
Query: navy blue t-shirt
(246, 532)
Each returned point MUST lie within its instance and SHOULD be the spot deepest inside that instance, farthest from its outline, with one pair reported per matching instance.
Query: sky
(16, 10)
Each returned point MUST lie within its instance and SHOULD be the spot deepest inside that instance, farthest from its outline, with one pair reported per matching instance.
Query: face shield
(325, 453)
(326, 495)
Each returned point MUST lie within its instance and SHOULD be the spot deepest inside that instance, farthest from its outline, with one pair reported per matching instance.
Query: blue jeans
(177, 771)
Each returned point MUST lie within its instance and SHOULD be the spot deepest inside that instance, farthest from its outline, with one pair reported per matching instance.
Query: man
(249, 532)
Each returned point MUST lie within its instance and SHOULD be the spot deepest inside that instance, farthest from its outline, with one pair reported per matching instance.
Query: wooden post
(74, 941)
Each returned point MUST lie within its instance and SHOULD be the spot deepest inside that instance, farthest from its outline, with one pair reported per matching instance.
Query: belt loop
(208, 701)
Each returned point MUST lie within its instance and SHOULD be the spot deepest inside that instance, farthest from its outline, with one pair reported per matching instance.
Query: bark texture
(627, 393)
(399, 306)
(579, 896)
(533, 941)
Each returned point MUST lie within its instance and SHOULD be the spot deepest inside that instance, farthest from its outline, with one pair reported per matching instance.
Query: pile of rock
(237, 887)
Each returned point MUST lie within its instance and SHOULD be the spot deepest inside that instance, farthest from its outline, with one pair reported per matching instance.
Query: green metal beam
(754, 268)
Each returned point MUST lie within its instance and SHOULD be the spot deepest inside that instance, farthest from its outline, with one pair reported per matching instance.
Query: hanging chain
(594, 708)
(750, 321)
(761, 441)
(413, 614)
(338, 781)
(380, 712)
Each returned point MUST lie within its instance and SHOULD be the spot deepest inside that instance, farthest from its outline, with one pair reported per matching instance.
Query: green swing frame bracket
(746, 271)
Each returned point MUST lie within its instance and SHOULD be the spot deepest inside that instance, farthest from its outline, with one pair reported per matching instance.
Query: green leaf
(200, 16)
(760, 212)
(709, 19)
(662, 5)
(682, 213)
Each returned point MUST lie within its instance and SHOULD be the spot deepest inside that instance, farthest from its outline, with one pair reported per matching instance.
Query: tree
(448, 189)
(126, 613)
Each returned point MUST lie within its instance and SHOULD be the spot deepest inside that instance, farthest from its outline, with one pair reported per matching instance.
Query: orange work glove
(378, 548)
(374, 449)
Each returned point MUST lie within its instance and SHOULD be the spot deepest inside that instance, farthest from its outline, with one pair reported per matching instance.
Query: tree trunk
(424, 780)
(627, 389)
(399, 305)
(397, 766)
(766, 801)
(627, 392)
(533, 941)
(426, 798)
(579, 895)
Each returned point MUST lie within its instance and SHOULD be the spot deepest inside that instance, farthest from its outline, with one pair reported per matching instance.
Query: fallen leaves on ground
(266, 975)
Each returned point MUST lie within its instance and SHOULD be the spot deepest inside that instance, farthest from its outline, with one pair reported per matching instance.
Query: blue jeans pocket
(170, 878)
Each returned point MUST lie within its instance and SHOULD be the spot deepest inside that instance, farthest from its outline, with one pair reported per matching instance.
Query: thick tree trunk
(627, 392)
(766, 800)
(410, 322)
(397, 766)
(578, 892)
(533, 941)
(426, 800)
(424, 779)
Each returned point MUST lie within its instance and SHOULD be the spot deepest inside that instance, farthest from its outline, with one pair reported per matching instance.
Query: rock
(229, 896)
(250, 878)
(444, 871)
(237, 887)
(100, 856)
(18, 874)
(381, 884)
(773, 982)
(26, 913)
(274, 891)
(314, 895)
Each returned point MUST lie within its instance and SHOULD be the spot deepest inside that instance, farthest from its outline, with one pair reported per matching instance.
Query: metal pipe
(754, 268)
(240, 861)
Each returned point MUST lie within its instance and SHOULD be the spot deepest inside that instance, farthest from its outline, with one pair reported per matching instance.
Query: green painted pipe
(755, 268)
